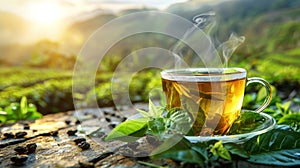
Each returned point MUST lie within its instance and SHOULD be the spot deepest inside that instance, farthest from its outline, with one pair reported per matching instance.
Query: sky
(47, 18)
(34, 10)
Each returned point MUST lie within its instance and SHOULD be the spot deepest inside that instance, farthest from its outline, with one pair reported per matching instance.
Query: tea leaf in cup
(230, 70)
(197, 113)
(247, 122)
(182, 90)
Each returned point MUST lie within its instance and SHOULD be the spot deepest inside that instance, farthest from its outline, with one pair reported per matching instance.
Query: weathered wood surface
(60, 150)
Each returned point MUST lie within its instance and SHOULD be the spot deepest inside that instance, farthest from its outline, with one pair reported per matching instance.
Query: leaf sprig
(159, 122)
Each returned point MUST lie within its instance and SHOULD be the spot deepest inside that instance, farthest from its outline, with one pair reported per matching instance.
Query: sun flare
(44, 13)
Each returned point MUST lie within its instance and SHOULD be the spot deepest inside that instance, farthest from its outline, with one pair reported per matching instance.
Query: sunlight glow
(45, 13)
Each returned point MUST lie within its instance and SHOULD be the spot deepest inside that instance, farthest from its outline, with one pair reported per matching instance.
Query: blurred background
(40, 40)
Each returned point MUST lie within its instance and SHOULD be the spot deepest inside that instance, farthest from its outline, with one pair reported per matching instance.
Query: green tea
(213, 105)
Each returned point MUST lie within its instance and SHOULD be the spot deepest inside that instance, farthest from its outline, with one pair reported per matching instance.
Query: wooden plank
(91, 124)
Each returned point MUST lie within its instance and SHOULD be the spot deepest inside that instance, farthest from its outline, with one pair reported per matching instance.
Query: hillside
(251, 18)
(12, 27)
(271, 51)
(259, 21)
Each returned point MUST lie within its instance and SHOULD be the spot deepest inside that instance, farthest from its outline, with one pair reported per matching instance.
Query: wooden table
(60, 150)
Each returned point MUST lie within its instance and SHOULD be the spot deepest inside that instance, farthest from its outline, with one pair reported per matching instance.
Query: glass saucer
(268, 124)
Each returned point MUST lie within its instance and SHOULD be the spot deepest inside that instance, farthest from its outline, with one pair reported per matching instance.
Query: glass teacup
(212, 96)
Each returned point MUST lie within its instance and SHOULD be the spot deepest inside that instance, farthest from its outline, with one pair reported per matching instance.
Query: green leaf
(179, 121)
(197, 113)
(144, 113)
(175, 143)
(262, 93)
(297, 100)
(157, 125)
(219, 150)
(13, 111)
(276, 147)
(129, 130)
(3, 113)
(248, 99)
(290, 119)
(290, 157)
(27, 115)
(35, 115)
(177, 148)
(230, 70)
(23, 106)
(188, 156)
(236, 149)
(3, 116)
(247, 122)
(151, 165)
(284, 108)
(155, 111)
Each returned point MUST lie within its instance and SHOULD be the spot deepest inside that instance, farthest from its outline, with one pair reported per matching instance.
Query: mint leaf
(179, 121)
(129, 130)
(155, 111)
(157, 125)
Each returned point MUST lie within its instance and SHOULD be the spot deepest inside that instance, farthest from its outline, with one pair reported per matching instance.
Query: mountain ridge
(252, 18)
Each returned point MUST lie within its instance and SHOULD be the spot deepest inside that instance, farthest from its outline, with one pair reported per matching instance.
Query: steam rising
(206, 22)
(228, 47)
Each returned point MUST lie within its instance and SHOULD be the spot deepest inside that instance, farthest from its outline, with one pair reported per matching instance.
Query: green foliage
(51, 90)
(159, 122)
(246, 123)
(219, 150)
(19, 111)
(26, 77)
(178, 148)
(292, 120)
(277, 147)
(280, 107)
(270, 31)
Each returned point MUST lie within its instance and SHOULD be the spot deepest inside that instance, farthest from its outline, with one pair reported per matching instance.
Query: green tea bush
(139, 87)
(49, 96)
(19, 111)
(52, 92)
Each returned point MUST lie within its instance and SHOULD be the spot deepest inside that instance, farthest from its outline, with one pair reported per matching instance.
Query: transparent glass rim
(269, 124)
(204, 74)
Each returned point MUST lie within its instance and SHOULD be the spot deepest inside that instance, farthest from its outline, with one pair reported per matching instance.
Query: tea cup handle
(268, 91)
